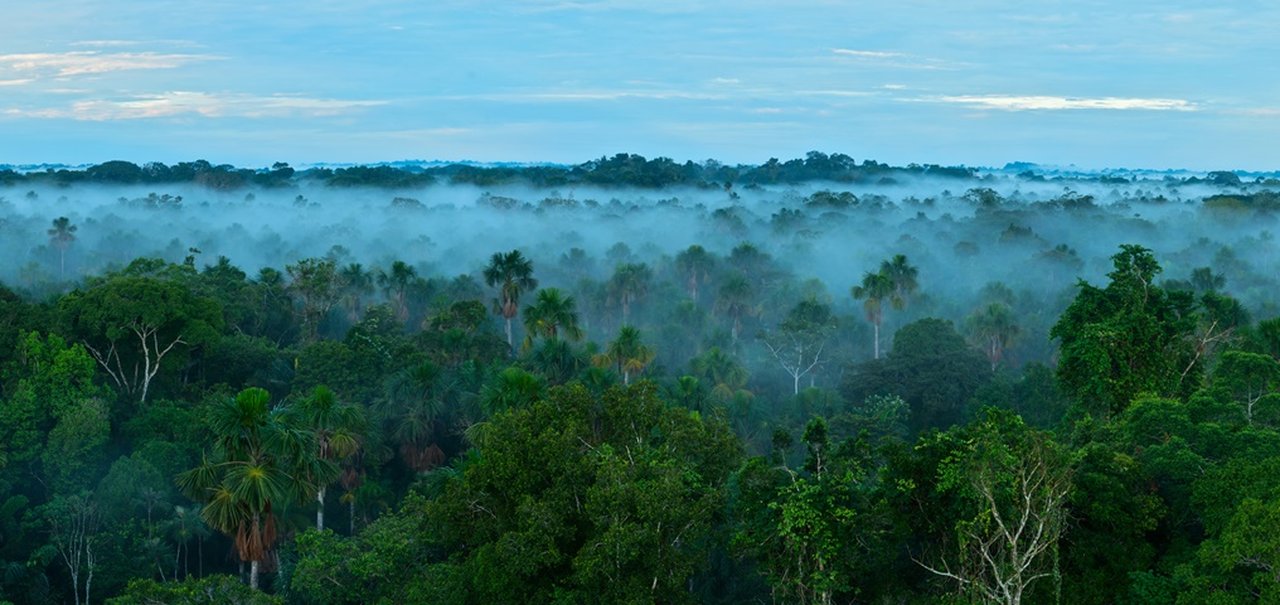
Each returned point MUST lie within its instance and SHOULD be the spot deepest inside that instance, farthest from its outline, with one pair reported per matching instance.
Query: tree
(875, 288)
(931, 367)
(61, 236)
(395, 285)
(993, 328)
(132, 324)
(725, 374)
(630, 282)
(357, 283)
(810, 528)
(1011, 483)
(316, 283)
(576, 498)
(73, 530)
(512, 274)
(255, 469)
(903, 277)
(735, 298)
(1127, 338)
(550, 314)
(1248, 379)
(799, 341)
(337, 429)
(627, 353)
(694, 264)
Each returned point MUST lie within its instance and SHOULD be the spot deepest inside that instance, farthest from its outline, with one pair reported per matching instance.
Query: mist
(1035, 236)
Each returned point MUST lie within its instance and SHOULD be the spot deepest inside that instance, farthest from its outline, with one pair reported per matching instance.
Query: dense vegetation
(813, 381)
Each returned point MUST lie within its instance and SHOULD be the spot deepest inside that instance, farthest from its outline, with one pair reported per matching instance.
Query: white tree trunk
(320, 509)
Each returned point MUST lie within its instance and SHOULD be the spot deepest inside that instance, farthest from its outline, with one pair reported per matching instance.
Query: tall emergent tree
(1127, 338)
(630, 282)
(512, 274)
(735, 299)
(875, 288)
(800, 339)
(902, 275)
(337, 429)
(259, 463)
(694, 264)
(61, 235)
(894, 283)
(318, 286)
(992, 328)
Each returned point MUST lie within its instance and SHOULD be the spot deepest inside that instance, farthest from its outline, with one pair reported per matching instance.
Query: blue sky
(1097, 84)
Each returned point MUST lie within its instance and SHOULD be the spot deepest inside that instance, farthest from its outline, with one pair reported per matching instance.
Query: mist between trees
(808, 381)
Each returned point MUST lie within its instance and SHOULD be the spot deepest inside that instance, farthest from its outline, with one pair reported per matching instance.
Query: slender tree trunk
(876, 326)
(351, 516)
(253, 574)
(510, 343)
(795, 384)
(320, 509)
(62, 264)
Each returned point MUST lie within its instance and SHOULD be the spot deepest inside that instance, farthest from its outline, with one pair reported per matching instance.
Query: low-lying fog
(1037, 237)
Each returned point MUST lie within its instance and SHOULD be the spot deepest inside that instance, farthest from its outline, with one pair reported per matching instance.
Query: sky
(1138, 84)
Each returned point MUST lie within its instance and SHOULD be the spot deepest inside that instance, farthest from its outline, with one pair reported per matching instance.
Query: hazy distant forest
(638, 381)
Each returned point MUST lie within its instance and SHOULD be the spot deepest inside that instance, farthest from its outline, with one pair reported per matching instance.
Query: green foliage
(1127, 338)
(209, 590)
(931, 367)
(616, 505)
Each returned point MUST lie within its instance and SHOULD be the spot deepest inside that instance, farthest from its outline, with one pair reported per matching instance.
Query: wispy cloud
(130, 43)
(866, 54)
(588, 95)
(90, 62)
(209, 105)
(1052, 103)
(885, 58)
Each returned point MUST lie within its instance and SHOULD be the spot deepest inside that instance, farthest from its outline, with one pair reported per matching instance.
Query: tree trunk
(510, 343)
(795, 384)
(351, 516)
(253, 575)
(876, 326)
(320, 509)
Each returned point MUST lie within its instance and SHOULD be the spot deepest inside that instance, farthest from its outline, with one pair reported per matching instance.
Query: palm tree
(903, 277)
(627, 353)
(512, 274)
(557, 361)
(875, 288)
(511, 388)
(735, 300)
(726, 375)
(630, 282)
(993, 328)
(60, 236)
(688, 392)
(254, 469)
(411, 413)
(357, 283)
(550, 314)
(395, 284)
(337, 429)
(694, 264)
